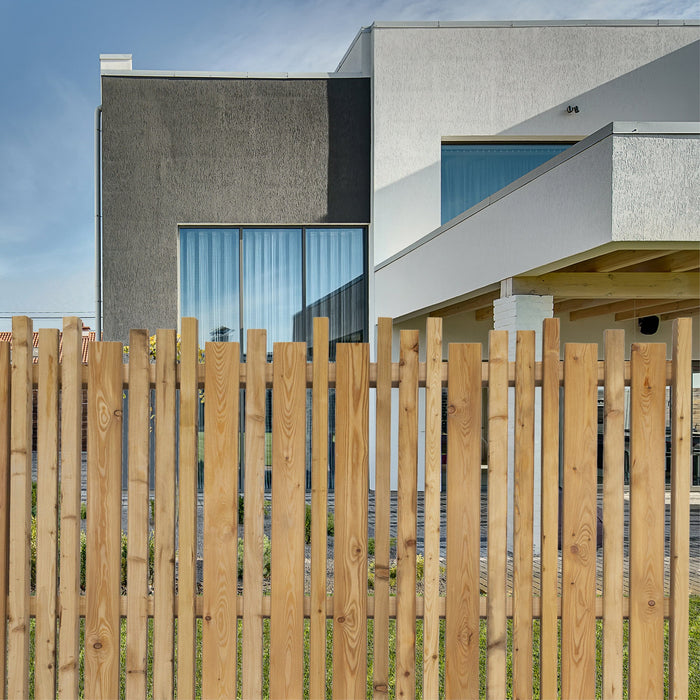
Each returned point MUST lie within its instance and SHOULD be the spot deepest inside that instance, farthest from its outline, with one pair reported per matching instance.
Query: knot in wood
(118, 413)
(652, 603)
(451, 409)
(574, 549)
(341, 619)
(97, 645)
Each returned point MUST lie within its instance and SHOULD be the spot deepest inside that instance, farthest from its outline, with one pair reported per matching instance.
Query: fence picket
(680, 507)
(103, 520)
(549, 642)
(319, 511)
(433, 469)
(463, 516)
(47, 516)
(579, 521)
(137, 555)
(523, 494)
(497, 515)
(20, 509)
(350, 546)
(647, 423)
(252, 649)
(406, 517)
(613, 512)
(71, 449)
(4, 500)
(220, 625)
(382, 508)
(187, 508)
(288, 478)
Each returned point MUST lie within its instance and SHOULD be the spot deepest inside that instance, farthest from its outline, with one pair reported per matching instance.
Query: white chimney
(115, 61)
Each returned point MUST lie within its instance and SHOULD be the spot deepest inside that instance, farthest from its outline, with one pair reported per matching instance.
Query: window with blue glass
(471, 172)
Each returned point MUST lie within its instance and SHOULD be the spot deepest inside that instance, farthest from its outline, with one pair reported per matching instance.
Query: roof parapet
(115, 61)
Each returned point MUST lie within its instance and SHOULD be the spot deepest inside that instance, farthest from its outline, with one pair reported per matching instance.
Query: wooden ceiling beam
(679, 261)
(611, 285)
(680, 314)
(472, 304)
(566, 305)
(618, 259)
(657, 309)
(485, 314)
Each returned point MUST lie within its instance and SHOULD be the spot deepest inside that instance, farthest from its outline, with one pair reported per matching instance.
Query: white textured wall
(431, 83)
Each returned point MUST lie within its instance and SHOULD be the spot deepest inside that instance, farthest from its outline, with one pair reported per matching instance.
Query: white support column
(523, 313)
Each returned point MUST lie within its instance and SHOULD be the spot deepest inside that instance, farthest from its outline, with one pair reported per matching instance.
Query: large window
(471, 172)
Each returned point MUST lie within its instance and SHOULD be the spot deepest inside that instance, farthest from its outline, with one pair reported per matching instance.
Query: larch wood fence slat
(364, 391)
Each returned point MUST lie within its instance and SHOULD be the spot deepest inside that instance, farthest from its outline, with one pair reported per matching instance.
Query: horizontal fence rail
(157, 589)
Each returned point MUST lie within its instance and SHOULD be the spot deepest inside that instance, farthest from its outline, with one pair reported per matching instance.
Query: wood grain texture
(579, 521)
(319, 511)
(613, 512)
(288, 478)
(20, 509)
(406, 517)
(187, 508)
(433, 474)
(137, 554)
(219, 624)
(71, 448)
(103, 520)
(252, 648)
(350, 545)
(549, 550)
(4, 500)
(523, 494)
(382, 508)
(496, 629)
(681, 419)
(47, 516)
(463, 513)
(164, 527)
(647, 419)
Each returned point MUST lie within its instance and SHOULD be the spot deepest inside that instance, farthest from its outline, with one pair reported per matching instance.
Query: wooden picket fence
(57, 604)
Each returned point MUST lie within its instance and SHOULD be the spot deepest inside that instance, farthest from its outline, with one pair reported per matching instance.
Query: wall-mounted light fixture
(648, 325)
(572, 110)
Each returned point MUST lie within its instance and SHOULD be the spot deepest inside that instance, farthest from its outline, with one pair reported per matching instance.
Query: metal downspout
(98, 221)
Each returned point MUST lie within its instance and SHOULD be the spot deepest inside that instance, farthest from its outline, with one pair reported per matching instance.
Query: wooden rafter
(616, 260)
(680, 314)
(678, 261)
(614, 307)
(613, 285)
(566, 305)
(472, 304)
(666, 308)
(485, 314)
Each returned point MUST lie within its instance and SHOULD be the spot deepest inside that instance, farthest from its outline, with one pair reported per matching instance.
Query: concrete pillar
(523, 313)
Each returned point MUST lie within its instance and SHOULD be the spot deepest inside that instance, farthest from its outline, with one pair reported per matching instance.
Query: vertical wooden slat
(680, 506)
(579, 521)
(47, 515)
(497, 515)
(463, 521)
(137, 554)
(613, 512)
(4, 499)
(187, 508)
(20, 509)
(288, 478)
(647, 421)
(523, 487)
(350, 545)
(319, 511)
(406, 517)
(71, 449)
(219, 625)
(433, 469)
(256, 360)
(382, 508)
(103, 520)
(164, 554)
(549, 642)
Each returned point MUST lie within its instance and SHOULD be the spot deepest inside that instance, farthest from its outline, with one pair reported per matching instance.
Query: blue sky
(49, 53)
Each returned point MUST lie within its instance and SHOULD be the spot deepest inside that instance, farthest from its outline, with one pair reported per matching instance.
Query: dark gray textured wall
(221, 151)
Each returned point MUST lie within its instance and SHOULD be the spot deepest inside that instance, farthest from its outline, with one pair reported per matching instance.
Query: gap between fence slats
(647, 422)
(187, 509)
(350, 545)
(288, 478)
(103, 521)
(496, 627)
(252, 647)
(613, 514)
(20, 510)
(681, 418)
(46, 516)
(406, 517)
(319, 511)
(382, 504)
(578, 546)
(219, 625)
(433, 469)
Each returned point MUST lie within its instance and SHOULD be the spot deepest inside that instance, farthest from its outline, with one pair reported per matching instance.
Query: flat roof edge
(226, 74)
(541, 23)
